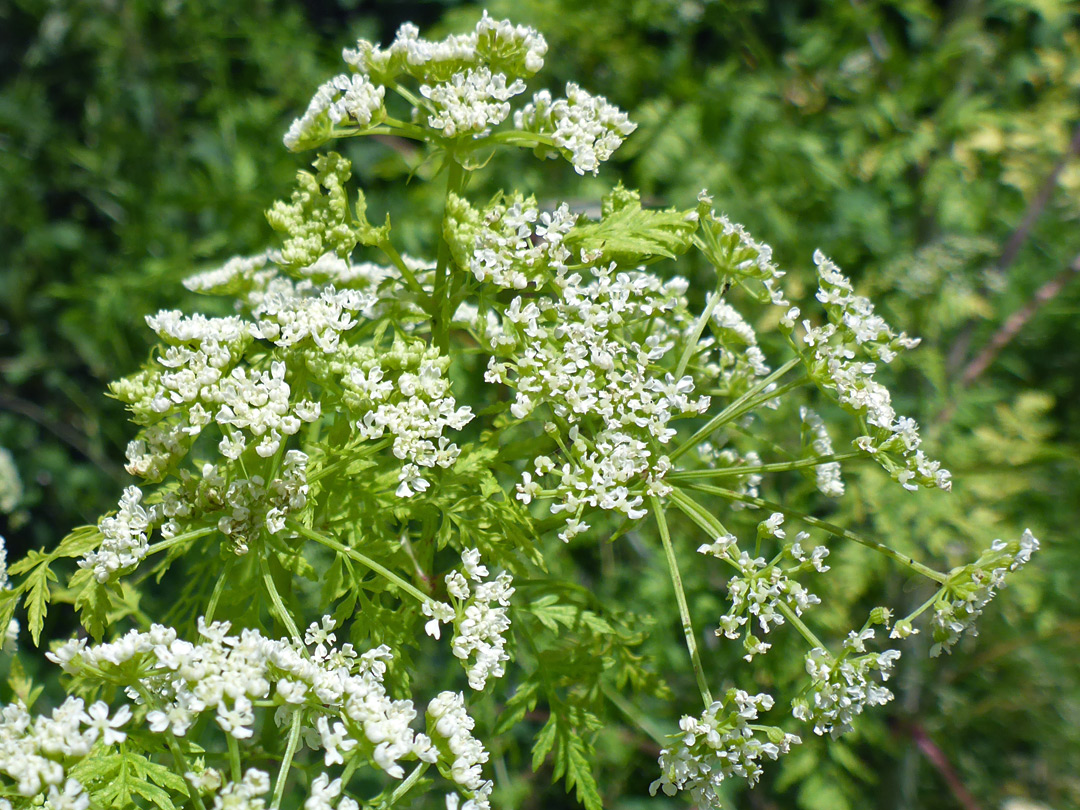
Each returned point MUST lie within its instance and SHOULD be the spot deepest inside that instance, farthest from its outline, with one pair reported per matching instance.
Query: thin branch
(1011, 328)
(1016, 241)
(1038, 203)
(940, 762)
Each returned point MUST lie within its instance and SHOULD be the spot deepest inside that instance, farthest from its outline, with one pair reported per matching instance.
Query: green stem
(387, 247)
(800, 625)
(779, 466)
(410, 96)
(700, 515)
(407, 784)
(727, 414)
(511, 137)
(634, 715)
(832, 528)
(278, 604)
(163, 545)
(455, 182)
(174, 748)
(692, 339)
(923, 607)
(219, 587)
(680, 598)
(234, 757)
(350, 768)
(412, 133)
(286, 761)
(364, 560)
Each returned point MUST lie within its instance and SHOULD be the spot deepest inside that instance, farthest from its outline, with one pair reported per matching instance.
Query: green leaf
(21, 685)
(523, 700)
(630, 235)
(572, 753)
(552, 613)
(114, 778)
(78, 543)
(575, 759)
(544, 742)
(9, 600)
(92, 603)
(37, 599)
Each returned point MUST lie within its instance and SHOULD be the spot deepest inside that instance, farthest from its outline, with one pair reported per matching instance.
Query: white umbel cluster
(471, 102)
(970, 588)
(842, 687)
(350, 98)
(720, 744)
(585, 128)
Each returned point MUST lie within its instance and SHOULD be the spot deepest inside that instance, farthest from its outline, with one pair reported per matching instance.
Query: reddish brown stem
(1009, 330)
(940, 763)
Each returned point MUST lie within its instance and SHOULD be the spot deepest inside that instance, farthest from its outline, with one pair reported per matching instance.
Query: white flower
(97, 717)
(470, 102)
(350, 97)
(722, 743)
(585, 127)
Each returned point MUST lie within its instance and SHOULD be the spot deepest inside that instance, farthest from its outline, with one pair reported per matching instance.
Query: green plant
(308, 460)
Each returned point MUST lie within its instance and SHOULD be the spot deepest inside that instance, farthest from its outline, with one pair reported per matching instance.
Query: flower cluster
(515, 50)
(572, 355)
(832, 362)
(970, 587)
(479, 612)
(736, 255)
(198, 382)
(471, 102)
(511, 243)
(124, 537)
(246, 794)
(585, 128)
(11, 490)
(349, 97)
(224, 675)
(11, 632)
(722, 743)
(37, 752)
(450, 727)
(415, 408)
(841, 687)
(761, 587)
(816, 436)
(740, 359)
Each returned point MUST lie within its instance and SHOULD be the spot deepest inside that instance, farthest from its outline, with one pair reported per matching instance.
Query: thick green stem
(286, 761)
(732, 409)
(832, 528)
(234, 757)
(278, 603)
(779, 466)
(800, 625)
(440, 299)
(680, 598)
(363, 559)
(692, 338)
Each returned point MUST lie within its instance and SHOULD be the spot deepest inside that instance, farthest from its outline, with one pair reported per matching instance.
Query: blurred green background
(931, 149)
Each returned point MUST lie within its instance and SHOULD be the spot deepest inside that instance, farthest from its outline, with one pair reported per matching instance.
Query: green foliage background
(140, 140)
